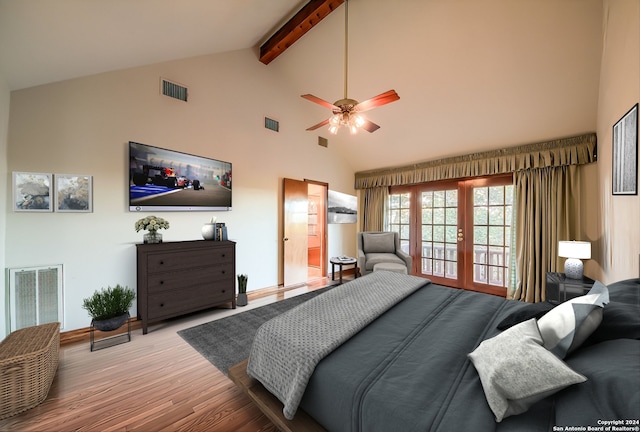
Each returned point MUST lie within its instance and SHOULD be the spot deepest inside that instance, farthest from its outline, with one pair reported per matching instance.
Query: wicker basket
(28, 363)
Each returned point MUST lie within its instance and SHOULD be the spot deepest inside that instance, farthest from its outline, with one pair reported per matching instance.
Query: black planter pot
(111, 324)
(242, 299)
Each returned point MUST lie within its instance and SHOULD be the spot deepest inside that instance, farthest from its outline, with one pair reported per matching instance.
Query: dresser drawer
(177, 280)
(166, 304)
(187, 259)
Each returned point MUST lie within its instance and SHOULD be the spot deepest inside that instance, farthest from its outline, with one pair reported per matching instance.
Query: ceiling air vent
(174, 90)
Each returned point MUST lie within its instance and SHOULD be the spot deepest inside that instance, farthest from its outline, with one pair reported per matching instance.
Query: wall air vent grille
(271, 124)
(35, 296)
(173, 90)
(323, 142)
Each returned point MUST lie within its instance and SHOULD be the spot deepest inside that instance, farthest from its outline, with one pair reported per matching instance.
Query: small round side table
(341, 262)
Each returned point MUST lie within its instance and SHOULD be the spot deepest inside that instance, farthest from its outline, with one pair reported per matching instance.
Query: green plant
(242, 283)
(110, 302)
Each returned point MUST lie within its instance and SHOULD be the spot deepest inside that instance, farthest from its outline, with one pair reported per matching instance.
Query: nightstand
(561, 288)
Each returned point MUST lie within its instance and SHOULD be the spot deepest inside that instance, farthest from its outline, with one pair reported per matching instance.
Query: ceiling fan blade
(319, 101)
(376, 101)
(319, 125)
(370, 126)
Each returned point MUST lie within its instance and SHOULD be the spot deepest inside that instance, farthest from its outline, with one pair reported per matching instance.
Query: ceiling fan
(346, 112)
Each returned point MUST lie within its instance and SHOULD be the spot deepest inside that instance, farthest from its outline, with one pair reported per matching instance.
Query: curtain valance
(575, 150)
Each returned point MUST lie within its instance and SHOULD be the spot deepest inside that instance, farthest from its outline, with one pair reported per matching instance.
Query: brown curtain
(548, 203)
(372, 208)
(547, 198)
(566, 151)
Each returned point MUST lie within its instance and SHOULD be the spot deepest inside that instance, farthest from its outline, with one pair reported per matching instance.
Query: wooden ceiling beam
(303, 21)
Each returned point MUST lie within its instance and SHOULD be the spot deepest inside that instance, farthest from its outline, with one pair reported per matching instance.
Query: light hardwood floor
(154, 383)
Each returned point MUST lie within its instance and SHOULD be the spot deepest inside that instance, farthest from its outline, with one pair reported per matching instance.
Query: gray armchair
(376, 247)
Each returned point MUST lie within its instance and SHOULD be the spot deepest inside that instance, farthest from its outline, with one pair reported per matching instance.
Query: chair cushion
(379, 242)
(389, 266)
(376, 258)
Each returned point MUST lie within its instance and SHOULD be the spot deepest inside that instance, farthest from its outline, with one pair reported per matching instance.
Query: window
(458, 232)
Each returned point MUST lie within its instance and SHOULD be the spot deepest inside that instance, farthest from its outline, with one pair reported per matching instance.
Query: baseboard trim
(83, 335)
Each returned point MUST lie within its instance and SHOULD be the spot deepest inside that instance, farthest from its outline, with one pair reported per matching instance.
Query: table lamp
(574, 251)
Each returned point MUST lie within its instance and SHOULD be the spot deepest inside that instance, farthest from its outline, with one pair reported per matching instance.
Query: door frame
(465, 228)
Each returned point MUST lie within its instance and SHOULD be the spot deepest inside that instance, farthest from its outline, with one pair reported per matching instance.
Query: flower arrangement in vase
(152, 224)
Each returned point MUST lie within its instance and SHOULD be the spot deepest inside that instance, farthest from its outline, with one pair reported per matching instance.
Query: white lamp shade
(574, 249)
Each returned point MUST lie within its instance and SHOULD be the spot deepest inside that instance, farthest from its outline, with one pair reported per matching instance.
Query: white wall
(4, 174)
(82, 126)
(618, 248)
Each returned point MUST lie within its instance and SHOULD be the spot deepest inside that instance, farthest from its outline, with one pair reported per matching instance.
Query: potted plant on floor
(109, 308)
(242, 290)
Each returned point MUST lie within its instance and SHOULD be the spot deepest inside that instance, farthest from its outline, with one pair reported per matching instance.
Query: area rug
(227, 341)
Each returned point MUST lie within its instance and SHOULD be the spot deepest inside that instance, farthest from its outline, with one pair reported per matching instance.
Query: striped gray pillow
(568, 325)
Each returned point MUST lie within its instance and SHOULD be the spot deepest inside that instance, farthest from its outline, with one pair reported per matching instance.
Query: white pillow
(516, 371)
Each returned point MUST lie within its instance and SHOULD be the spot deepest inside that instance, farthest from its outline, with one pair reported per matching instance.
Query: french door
(458, 232)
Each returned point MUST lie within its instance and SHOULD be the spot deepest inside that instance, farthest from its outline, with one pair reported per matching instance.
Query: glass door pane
(439, 230)
(492, 212)
(399, 218)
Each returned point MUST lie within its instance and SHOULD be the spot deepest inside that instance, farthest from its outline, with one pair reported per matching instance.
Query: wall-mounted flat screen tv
(168, 180)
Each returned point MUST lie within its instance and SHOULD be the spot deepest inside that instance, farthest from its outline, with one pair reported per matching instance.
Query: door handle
(285, 239)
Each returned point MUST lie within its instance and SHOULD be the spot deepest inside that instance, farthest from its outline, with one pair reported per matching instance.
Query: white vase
(209, 231)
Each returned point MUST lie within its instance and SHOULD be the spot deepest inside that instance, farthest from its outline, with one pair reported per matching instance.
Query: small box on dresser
(176, 278)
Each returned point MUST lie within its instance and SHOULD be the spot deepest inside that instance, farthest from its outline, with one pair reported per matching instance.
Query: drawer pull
(223, 271)
(161, 262)
(161, 304)
(161, 282)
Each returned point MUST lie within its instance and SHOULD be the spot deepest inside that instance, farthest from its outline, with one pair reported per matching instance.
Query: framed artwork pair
(44, 192)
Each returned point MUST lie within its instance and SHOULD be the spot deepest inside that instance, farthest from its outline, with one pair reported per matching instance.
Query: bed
(440, 359)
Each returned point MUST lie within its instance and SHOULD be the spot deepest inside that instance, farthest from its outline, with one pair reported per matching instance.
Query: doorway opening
(317, 221)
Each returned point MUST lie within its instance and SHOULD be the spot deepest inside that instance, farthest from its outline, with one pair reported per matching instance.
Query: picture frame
(32, 192)
(342, 208)
(625, 154)
(73, 193)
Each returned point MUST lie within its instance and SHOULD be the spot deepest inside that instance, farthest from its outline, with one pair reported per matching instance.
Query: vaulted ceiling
(472, 75)
(45, 41)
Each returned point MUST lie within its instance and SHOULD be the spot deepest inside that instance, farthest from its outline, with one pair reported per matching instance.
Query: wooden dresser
(177, 278)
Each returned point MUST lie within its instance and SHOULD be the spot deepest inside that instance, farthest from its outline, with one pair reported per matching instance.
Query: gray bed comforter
(409, 371)
(287, 348)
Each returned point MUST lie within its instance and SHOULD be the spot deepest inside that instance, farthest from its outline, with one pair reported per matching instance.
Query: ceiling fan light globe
(335, 120)
(353, 129)
(359, 121)
(333, 129)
